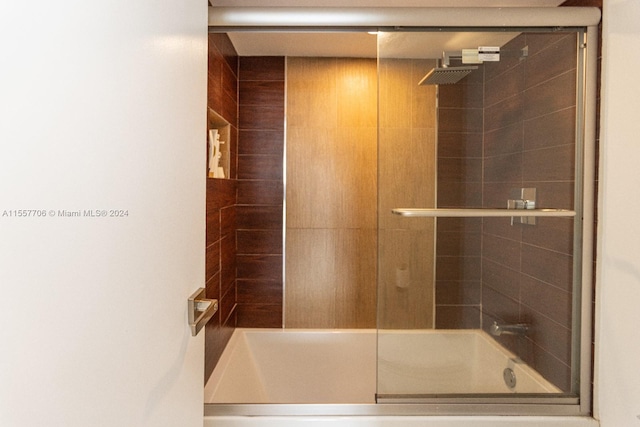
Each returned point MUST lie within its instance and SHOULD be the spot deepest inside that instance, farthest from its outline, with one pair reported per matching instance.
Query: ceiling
(386, 3)
(356, 44)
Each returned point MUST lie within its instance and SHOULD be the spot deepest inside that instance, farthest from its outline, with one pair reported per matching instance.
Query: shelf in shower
(468, 213)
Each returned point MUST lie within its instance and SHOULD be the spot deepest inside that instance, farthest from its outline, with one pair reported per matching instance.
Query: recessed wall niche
(218, 146)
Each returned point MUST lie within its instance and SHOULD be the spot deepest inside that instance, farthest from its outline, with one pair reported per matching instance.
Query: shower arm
(447, 56)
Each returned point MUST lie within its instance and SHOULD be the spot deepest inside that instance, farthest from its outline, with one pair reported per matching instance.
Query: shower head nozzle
(443, 76)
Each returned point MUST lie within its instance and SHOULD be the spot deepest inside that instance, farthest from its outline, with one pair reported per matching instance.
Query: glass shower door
(480, 226)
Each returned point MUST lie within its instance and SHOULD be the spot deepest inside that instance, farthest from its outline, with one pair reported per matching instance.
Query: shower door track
(565, 406)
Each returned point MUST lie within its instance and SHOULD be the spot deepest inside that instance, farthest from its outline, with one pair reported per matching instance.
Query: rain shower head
(444, 76)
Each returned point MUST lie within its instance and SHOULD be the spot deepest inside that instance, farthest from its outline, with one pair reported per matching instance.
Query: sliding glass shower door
(481, 180)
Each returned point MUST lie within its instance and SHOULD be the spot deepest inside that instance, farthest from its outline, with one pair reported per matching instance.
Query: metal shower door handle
(201, 310)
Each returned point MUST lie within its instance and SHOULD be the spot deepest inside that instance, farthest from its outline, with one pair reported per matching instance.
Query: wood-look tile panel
(460, 96)
(510, 57)
(212, 287)
(262, 167)
(549, 164)
(457, 317)
(267, 142)
(227, 303)
(259, 117)
(259, 316)
(212, 226)
(504, 140)
(553, 95)
(549, 335)
(496, 194)
(260, 292)
(259, 217)
(550, 267)
(406, 170)
(261, 93)
(215, 340)
(460, 225)
(233, 153)
(459, 170)
(460, 120)
(220, 201)
(220, 193)
(552, 61)
(261, 68)
(212, 260)
(260, 267)
(312, 95)
(331, 178)
(423, 98)
(504, 168)
(553, 194)
(549, 301)
(502, 227)
(453, 243)
(330, 283)
(458, 292)
(507, 85)
(227, 263)
(225, 47)
(557, 128)
(539, 42)
(260, 192)
(501, 278)
(406, 285)
(504, 113)
(230, 83)
(214, 88)
(343, 165)
(356, 84)
(453, 268)
(555, 234)
(503, 251)
(228, 221)
(229, 109)
(255, 242)
(552, 369)
(459, 194)
(404, 104)
(458, 144)
(501, 307)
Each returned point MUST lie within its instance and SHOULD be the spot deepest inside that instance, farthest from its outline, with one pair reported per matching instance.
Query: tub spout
(498, 329)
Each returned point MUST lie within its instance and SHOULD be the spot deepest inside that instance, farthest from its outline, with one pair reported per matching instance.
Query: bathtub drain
(509, 378)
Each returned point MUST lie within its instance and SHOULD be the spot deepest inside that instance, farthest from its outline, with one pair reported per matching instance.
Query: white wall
(618, 310)
(102, 106)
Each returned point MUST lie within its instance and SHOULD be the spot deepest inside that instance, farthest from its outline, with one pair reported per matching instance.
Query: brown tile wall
(220, 261)
(529, 132)
(488, 269)
(458, 240)
(260, 190)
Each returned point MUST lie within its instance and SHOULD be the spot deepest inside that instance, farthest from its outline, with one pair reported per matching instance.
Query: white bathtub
(339, 366)
(302, 372)
(451, 362)
(295, 366)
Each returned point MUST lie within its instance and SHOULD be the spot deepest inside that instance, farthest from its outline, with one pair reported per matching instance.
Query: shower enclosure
(480, 212)
(476, 169)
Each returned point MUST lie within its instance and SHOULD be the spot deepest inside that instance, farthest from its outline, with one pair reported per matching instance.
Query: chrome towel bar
(467, 213)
